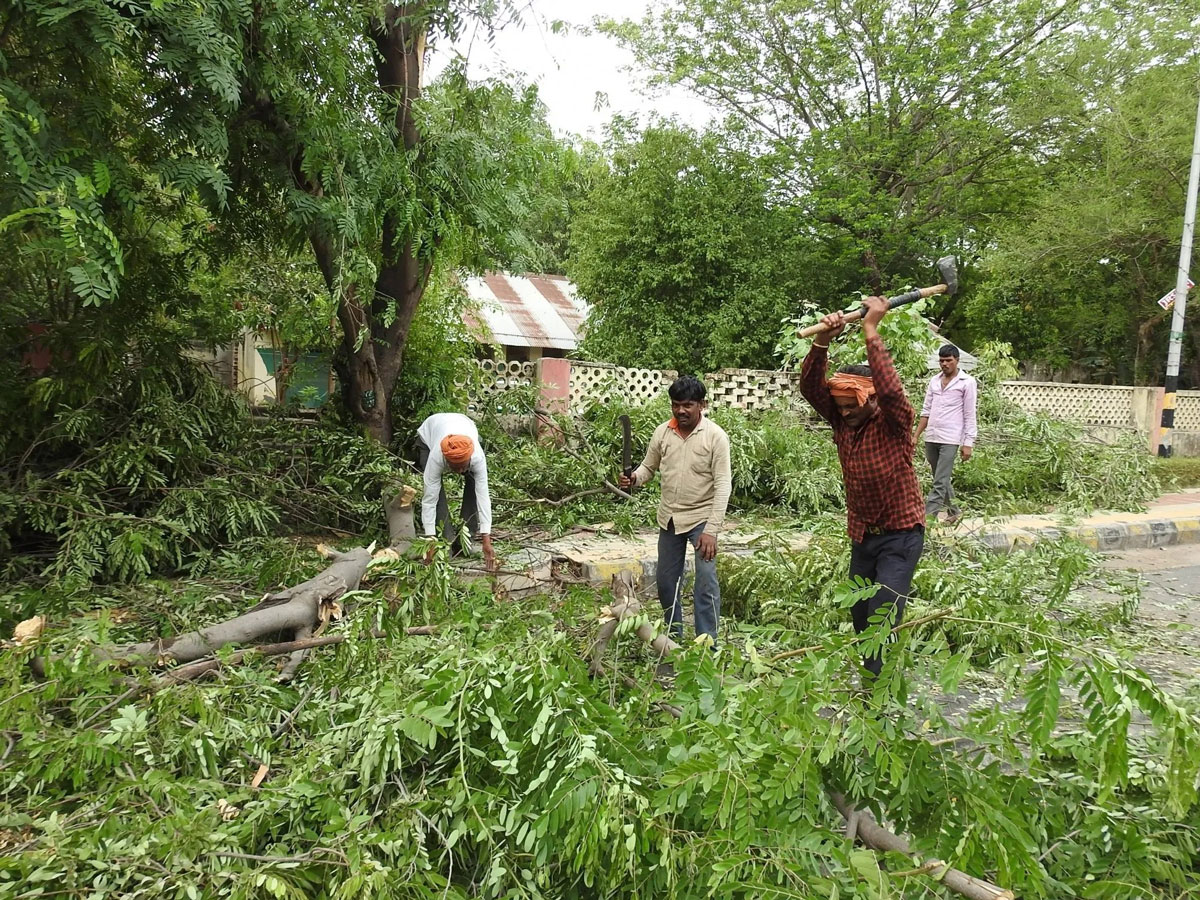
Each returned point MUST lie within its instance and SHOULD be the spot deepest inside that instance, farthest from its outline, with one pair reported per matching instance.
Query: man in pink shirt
(948, 423)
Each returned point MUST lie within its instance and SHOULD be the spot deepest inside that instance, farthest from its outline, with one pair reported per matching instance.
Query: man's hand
(966, 452)
(429, 554)
(874, 309)
(835, 323)
(489, 555)
(706, 546)
(625, 483)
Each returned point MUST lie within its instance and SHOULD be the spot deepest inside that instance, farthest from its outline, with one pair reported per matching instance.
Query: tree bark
(626, 606)
(374, 330)
(290, 610)
(875, 836)
(402, 527)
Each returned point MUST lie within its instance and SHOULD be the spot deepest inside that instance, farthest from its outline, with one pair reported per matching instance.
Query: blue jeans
(706, 596)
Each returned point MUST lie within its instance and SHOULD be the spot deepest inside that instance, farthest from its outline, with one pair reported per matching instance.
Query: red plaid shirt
(877, 459)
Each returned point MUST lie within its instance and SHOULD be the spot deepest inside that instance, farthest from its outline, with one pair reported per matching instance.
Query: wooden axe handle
(854, 315)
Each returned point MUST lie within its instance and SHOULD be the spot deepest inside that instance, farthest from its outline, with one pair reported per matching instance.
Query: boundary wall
(1108, 411)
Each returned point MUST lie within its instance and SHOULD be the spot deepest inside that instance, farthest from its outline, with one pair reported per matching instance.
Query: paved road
(1170, 610)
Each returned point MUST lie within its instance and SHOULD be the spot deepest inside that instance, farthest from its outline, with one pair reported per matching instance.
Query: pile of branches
(461, 762)
(158, 466)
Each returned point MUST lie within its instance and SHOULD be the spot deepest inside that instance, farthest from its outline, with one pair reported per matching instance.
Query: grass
(1178, 471)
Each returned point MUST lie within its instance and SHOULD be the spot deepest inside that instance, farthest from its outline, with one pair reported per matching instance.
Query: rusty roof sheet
(525, 310)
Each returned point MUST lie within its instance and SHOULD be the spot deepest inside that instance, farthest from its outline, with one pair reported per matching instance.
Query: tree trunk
(374, 330)
(627, 605)
(291, 610)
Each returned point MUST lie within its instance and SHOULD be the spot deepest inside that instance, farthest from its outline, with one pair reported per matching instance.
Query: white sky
(571, 68)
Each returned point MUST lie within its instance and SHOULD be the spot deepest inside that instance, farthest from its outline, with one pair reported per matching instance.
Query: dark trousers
(470, 508)
(888, 559)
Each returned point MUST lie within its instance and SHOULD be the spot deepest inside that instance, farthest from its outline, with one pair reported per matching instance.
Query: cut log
(402, 527)
(627, 605)
(287, 611)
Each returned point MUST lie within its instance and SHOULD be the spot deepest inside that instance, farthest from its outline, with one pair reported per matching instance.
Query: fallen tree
(860, 824)
(297, 608)
(300, 612)
(469, 760)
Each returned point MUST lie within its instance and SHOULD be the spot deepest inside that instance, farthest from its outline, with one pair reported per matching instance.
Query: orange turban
(860, 387)
(457, 449)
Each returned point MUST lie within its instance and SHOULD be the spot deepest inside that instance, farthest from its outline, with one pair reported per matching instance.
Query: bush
(155, 465)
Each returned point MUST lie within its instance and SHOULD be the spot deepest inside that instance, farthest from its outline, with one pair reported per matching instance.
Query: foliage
(135, 460)
(566, 179)
(905, 332)
(1178, 471)
(1074, 283)
(1043, 143)
(146, 154)
(110, 120)
(389, 182)
(685, 259)
(1024, 593)
(272, 295)
(893, 136)
(463, 763)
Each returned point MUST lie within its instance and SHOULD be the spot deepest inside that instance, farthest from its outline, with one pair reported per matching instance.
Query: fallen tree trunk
(626, 607)
(402, 527)
(294, 611)
(287, 611)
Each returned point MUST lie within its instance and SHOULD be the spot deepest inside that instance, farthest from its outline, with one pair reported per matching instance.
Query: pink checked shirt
(951, 411)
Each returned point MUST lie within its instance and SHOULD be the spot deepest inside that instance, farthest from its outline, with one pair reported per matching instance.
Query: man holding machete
(693, 453)
(872, 427)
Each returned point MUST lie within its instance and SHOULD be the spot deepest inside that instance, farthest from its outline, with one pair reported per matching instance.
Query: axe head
(948, 269)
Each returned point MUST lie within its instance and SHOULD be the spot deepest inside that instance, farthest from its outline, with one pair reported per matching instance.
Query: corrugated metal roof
(525, 310)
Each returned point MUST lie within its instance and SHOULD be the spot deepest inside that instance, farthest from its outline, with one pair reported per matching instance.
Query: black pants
(470, 508)
(888, 559)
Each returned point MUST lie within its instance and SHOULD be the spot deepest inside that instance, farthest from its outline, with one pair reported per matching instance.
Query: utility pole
(1175, 345)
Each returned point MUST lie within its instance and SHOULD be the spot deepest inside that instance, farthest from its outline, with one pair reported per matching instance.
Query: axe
(946, 267)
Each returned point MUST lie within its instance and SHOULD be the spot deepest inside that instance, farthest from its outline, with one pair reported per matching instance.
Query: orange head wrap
(457, 448)
(860, 387)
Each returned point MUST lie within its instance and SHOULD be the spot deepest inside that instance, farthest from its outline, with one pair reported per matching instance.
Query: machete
(626, 447)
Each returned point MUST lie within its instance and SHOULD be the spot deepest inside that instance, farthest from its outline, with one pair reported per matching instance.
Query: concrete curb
(1163, 531)
(1164, 526)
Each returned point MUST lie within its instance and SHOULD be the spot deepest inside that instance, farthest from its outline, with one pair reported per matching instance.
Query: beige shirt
(696, 478)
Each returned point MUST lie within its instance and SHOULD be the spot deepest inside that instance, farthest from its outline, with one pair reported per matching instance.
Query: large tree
(385, 176)
(1074, 282)
(909, 128)
(686, 257)
(120, 125)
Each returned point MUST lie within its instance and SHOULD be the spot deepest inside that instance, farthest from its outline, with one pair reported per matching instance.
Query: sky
(571, 68)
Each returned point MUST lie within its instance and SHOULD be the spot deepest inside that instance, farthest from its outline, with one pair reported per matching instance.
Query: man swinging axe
(872, 423)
